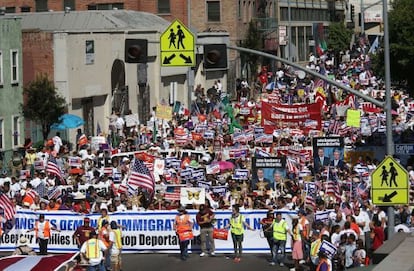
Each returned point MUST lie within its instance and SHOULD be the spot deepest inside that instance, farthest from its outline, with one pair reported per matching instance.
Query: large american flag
(53, 168)
(140, 176)
(35, 263)
(7, 205)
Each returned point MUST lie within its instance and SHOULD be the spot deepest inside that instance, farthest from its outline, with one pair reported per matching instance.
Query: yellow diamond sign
(389, 183)
(177, 46)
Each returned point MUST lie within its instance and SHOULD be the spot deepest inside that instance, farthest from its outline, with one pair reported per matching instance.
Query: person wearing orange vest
(324, 263)
(115, 238)
(103, 235)
(42, 231)
(94, 251)
(182, 225)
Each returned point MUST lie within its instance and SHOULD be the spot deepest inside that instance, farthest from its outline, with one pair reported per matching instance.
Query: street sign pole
(390, 143)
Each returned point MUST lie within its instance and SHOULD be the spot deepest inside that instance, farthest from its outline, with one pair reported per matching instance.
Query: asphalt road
(172, 262)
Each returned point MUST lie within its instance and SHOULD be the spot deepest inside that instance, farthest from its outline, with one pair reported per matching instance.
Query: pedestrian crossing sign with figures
(389, 183)
(177, 46)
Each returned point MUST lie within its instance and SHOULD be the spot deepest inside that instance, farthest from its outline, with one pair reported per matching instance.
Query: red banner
(304, 116)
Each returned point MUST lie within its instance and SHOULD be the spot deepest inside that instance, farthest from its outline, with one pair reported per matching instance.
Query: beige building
(86, 61)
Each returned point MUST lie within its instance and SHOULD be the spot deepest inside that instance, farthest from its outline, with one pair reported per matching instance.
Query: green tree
(339, 37)
(42, 103)
(401, 29)
(254, 41)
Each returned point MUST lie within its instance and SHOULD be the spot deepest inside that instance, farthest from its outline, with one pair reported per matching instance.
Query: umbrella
(68, 121)
(225, 165)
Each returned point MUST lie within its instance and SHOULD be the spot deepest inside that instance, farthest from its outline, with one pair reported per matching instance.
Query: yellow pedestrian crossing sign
(177, 46)
(389, 183)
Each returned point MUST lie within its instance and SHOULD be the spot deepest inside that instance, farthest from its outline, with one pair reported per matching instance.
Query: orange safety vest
(102, 237)
(321, 262)
(46, 229)
(302, 222)
(182, 225)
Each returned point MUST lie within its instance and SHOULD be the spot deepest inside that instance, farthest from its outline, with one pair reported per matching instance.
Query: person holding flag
(140, 176)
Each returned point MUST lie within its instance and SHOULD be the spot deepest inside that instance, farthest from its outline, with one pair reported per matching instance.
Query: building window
(1, 69)
(69, 4)
(1, 133)
(213, 11)
(25, 9)
(14, 66)
(16, 131)
(164, 6)
(41, 5)
(108, 6)
(10, 9)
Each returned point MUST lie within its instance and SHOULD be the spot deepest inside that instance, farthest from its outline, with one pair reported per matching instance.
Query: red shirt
(378, 238)
(83, 233)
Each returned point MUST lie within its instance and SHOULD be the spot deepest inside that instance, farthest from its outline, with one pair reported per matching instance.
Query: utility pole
(362, 17)
(390, 143)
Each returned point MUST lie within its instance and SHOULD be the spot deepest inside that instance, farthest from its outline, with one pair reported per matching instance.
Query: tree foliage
(254, 41)
(339, 37)
(401, 29)
(42, 104)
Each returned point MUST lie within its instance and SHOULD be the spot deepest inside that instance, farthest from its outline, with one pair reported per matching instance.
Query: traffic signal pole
(386, 105)
(318, 75)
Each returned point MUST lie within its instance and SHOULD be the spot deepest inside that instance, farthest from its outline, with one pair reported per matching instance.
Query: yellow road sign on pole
(389, 183)
(177, 46)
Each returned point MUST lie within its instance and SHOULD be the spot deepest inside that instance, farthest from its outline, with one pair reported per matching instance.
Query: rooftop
(92, 21)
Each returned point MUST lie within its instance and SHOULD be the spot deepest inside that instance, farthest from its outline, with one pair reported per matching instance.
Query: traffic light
(215, 56)
(352, 13)
(136, 50)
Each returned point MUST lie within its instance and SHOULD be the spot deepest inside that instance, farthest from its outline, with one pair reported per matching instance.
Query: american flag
(172, 193)
(108, 171)
(332, 188)
(7, 205)
(53, 168)
(122, 188)
(54, 193)
(140, 176)
(292, 165)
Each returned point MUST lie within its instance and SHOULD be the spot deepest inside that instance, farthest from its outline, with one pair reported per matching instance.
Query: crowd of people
(227, 130)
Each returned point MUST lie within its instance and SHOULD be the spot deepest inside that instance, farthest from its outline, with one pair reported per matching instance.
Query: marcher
(103, 235)
(183, 226)
(280, 230)
(267, 227)
(43, 230)
(115, 238)
(237, 221)
(94, 251)
(82, 233)
(297, 236)
(314, 249)
(324, 264)
(23, 247)
(204, 219)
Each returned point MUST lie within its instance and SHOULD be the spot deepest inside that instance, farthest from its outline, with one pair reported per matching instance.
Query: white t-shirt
(112, 238)
(363, 217)
(57, 142)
